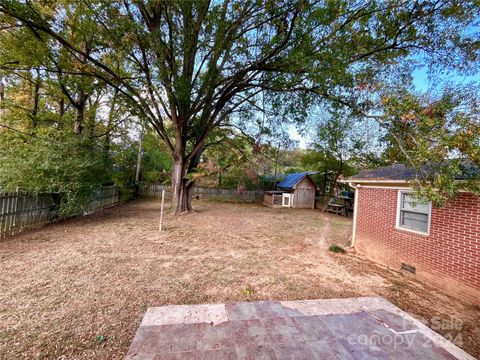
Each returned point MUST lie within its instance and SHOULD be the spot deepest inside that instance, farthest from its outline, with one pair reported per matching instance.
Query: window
(287, 200)
(413, 214)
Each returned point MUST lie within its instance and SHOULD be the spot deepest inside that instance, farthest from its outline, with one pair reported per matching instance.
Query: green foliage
(248, 291)
(101, 338)
(341, 147)
(336, 249)
(69, 168)
(437, 136)
(157, 161)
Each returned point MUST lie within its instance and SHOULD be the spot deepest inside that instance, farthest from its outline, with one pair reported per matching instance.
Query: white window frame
(399, 204)
(290, 198)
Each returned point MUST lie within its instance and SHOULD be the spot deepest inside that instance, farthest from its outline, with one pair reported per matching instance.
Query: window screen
(414, 214)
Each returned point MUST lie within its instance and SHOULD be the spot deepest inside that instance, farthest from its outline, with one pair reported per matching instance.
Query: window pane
(409, 202)
(414, 221)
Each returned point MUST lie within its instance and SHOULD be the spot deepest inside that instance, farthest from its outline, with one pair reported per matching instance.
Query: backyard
(79, 288)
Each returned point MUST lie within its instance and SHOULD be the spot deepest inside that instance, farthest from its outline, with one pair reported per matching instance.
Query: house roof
(293, 179)
(400, 172)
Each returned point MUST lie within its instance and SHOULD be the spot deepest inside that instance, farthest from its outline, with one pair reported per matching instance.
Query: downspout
(355, 211)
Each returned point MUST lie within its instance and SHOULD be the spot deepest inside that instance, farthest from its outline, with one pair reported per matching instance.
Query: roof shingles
(403, 173)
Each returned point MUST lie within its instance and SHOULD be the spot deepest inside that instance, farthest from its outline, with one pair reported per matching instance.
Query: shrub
(336, 249)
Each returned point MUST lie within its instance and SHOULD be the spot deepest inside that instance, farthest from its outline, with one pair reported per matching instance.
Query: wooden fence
(21, 210)
(204, 193)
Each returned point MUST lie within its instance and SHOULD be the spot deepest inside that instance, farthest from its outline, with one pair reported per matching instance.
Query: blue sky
(422, 83)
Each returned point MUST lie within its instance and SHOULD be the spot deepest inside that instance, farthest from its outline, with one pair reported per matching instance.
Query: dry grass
(78, 289)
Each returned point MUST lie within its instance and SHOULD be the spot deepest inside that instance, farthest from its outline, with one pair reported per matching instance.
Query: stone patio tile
(189, 355)
(249, 332)
(360, 351)
(282, 330)
(393, 321)
(185, 314)
(140, 357)
(164, 339)
(241, 311)
(255, 352)
(329, 349)
(421, 347)
(331, 306)
(269, 309)
(358, 354)
(293, 351)
(213, 337)
(218, 354)
(312, 328)
(356, 326)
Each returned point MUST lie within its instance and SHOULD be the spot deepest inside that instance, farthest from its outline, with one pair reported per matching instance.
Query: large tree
(188, 67)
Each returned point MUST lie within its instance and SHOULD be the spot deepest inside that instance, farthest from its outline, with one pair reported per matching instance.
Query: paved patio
(355, 328)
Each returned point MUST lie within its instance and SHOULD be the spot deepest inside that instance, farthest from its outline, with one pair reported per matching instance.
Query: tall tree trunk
(2, 89)
(61, 107)
(182, 187)
(138, 169)
(107, 138)
(80, 113)
(36, 99)
(78, 124)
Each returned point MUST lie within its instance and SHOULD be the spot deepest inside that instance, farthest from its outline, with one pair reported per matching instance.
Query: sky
(423, 83)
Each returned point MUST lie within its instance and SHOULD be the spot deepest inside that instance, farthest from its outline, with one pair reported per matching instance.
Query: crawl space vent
(409, 268)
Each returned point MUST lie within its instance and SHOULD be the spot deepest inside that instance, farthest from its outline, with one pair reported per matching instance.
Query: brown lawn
(78, 289)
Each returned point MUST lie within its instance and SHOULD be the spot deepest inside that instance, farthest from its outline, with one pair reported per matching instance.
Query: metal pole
(161, 211)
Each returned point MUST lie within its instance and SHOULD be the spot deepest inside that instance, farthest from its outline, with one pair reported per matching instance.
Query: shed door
(287, 200)
(304, 198)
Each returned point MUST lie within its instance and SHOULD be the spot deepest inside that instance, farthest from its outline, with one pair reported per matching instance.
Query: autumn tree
(188, 67)
(437, 135)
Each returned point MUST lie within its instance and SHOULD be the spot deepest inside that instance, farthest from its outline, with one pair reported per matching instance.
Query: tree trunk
(182, 188)
(2, 89)
(107, 139)
(61, 107)
(78, 124)
(138, 169)
(80, 106)
(36, 99)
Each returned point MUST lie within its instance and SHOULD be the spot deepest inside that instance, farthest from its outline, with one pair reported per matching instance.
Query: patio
(352, 328)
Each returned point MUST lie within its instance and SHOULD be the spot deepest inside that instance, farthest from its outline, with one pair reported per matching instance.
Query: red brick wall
(449, 257)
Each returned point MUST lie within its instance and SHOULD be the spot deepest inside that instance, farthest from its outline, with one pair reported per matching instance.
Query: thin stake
(161, 212)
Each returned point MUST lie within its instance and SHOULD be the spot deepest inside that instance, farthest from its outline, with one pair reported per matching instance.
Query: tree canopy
(187, 68)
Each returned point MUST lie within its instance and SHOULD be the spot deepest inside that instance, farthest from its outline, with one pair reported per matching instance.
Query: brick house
(439, 245)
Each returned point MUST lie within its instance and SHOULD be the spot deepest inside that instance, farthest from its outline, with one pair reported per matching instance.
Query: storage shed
(297, 190)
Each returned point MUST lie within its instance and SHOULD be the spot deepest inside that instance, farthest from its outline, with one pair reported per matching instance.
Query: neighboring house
(297, 190)
(441, 245)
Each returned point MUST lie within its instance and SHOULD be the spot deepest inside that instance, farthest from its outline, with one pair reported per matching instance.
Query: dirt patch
(79, 288)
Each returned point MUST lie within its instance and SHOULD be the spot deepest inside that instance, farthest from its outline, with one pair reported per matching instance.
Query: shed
(297, 190)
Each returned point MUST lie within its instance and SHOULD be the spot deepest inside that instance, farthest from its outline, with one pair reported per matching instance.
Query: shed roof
(400, 172)
(293, 179)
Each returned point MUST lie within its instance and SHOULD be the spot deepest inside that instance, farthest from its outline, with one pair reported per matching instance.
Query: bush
(336, 249)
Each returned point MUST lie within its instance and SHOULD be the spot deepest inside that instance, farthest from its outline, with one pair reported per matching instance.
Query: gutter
(355, 211)
(370, 181)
